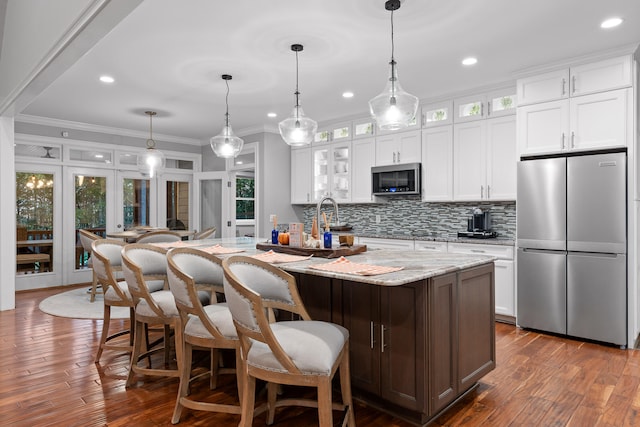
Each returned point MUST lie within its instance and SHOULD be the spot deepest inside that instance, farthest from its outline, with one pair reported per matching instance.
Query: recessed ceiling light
(347, 94)
(470, 61)
(99, 156)
(611, 22)
(272, 115)
(107, 79)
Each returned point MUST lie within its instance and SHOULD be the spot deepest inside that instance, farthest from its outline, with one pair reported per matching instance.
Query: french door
(39, 229)
(213, 207)
(90, 204)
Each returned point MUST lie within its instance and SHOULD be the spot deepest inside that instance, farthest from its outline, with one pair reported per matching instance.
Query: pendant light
(226, 144)
(393, 108)
(153, 160)
(298, 129)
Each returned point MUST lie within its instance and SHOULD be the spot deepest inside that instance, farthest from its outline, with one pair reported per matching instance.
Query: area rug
(77, 304)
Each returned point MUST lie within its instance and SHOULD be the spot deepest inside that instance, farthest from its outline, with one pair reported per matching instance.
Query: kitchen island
(420, 337)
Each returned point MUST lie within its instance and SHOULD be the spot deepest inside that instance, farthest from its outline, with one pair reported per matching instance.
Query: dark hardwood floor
(48, 378)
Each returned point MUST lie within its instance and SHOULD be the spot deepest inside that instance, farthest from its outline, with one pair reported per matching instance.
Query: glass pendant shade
(226, 144)
(298, 129)
(151, 162)
(394, 108)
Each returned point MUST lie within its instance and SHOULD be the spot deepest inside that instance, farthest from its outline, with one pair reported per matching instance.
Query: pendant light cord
(392, 100)
(297, 91)
(150, 142)
(226, 101)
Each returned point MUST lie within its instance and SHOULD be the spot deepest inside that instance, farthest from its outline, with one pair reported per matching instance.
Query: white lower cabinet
(505, 300)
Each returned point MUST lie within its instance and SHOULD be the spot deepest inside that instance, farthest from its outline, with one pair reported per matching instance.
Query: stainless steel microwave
(396, 179)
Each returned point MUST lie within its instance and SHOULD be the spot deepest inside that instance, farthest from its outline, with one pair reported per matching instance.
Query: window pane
(245, 193)
(245, 209)
(177, 205)
(34, 222)
(136, 202)
(91, 211)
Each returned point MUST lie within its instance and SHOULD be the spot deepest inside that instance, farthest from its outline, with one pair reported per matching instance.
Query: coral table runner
(343, 265)
(220, 250)
(278, 258)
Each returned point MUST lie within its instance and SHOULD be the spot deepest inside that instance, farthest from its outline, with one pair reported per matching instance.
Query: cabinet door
(505, 288)
(543, 87)
(364, 157)
(437, 164)
(361, 317)
(443, 343)
(409, 147)
(402, 347)
(599, 120)
(437, 114)
(315, 292)
(469, 108)
(501, 103)
(543, 128)
(430, 246)
(469, 161)
(599, 76)
(476, 325)
(340, 172)
(501, 158)
(321, 172)
(300, 175)
(386, 149)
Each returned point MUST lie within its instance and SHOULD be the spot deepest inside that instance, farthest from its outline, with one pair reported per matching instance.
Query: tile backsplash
(408, 215)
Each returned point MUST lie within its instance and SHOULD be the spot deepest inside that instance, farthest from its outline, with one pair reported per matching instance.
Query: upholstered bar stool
(209, 326)
(107, 260)
(145, 267)
(303, 352)
(205, 234)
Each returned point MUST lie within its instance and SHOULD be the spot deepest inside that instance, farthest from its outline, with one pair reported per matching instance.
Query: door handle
(488, 191)
(564, 82)
(382, 344)
(482, 191)
(573, 84)
(394, 157)
(563, 140)
(573, 139)
(398, 157)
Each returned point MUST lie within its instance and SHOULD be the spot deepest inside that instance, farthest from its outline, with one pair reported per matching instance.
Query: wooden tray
(335, 252)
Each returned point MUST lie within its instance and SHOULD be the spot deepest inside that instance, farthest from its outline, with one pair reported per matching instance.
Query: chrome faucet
(335, 210)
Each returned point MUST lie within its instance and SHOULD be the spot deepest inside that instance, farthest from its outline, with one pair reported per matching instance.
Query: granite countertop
(431, 237)
(417, 265)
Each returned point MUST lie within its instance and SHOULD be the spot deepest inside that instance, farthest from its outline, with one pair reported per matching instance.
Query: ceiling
(168, 56)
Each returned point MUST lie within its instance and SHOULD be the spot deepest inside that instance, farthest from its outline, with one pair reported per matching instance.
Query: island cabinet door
(476, 325)
(316, 294)
(361, 317)
(443, 341)
(402, 345)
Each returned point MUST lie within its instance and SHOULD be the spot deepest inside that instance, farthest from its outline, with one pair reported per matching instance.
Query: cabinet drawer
(430, 246)
(502, 252)
(378, 243)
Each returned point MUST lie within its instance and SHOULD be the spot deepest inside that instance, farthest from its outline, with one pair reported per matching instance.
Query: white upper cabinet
(300, 175)
(437, 114)
(498, 103)
(364, 156)
(437, 164)
(332, 172)
(396, 148)
(609, 74)
(484, 160)
(364, 128)
(543, 128)
(595, 121)
(334, 132)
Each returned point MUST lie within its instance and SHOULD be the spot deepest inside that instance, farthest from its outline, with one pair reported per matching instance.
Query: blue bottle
(274, 236)
(327, 240)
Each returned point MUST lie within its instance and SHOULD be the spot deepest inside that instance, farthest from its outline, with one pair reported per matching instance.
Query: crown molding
(257, 129)
(66, 124)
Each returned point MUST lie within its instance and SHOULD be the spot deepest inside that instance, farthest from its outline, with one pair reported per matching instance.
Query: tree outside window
(245, 198)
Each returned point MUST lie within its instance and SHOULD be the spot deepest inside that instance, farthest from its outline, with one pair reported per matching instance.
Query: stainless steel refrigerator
(572, 244)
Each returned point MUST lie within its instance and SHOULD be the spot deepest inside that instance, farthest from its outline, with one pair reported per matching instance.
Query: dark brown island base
(420, 338)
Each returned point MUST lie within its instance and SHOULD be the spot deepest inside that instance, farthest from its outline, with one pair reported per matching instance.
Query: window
(245, 199)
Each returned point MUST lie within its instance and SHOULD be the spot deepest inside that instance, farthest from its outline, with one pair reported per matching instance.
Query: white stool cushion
(313, 346)
(165, 300)
(112, 296)
(220, 316)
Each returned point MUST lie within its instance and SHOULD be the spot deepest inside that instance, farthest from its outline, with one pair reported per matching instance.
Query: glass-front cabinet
(501, 102)
(364, 128)
(332, 172)
(437, 114)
